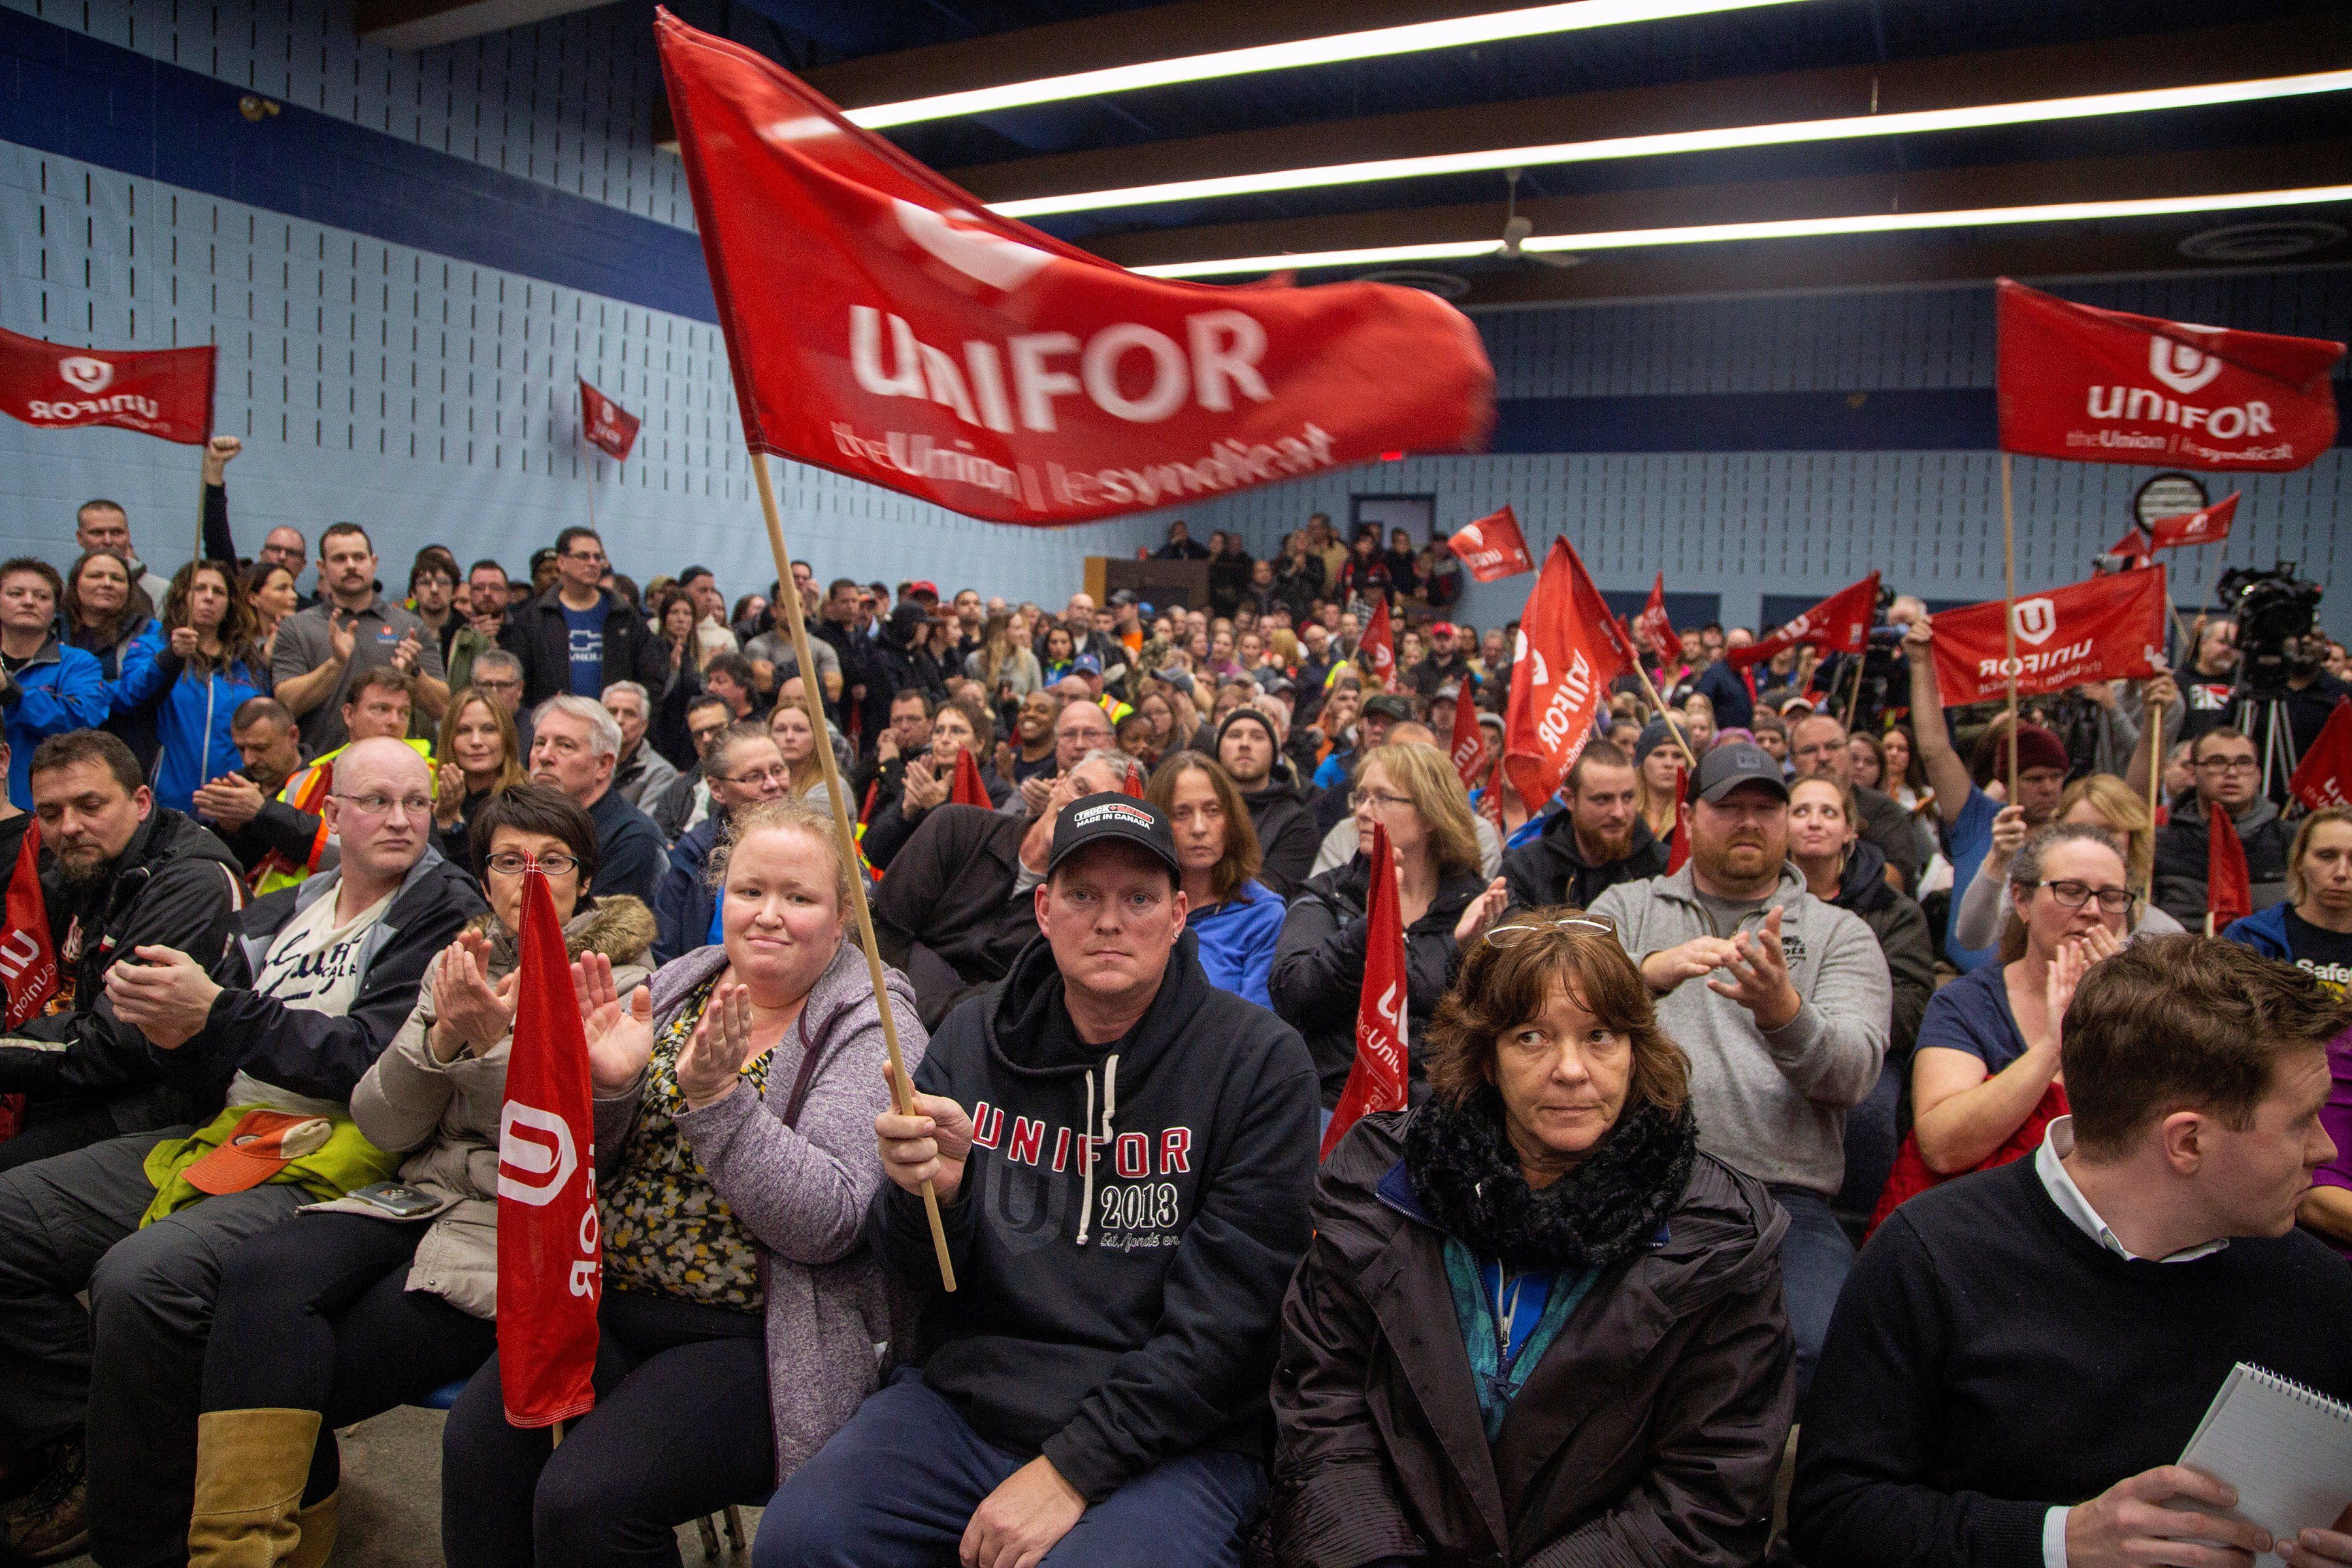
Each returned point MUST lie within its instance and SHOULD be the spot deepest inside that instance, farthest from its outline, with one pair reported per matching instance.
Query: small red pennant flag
(2228, 890)
(1377, 1080)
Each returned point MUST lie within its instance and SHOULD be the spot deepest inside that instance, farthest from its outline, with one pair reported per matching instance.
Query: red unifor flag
(1839, 624)
(1380, 643)
(165, 393)
(2104, 629)
(2106, 386)
(550, 1255)
(2228, 890)
(604, 423)
(2323, 778)
(1679, 846)
(1493, 547)
(968, 790)
(1653, 630)
(885, 324)
(2206, 525)
(1377, 1080)
(28, 964)
(1568, 653)
(1467, 746)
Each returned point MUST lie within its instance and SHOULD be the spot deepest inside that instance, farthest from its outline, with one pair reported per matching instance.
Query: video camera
(2274, 609)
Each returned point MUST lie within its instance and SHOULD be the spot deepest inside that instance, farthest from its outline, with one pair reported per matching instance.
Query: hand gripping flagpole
(902, 1088)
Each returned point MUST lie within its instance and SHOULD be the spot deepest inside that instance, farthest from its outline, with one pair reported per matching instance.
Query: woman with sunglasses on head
(1444, 903)
(188, 674)
(1985, 1078)
(1533, 1310)
(377, 1298)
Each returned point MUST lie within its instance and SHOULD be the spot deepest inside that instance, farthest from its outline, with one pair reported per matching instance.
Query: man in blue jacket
(1123, 1156)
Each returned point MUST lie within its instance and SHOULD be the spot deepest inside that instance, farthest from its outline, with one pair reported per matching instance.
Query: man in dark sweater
(2022, 1355)
(1123, 1156)
(1598, 842)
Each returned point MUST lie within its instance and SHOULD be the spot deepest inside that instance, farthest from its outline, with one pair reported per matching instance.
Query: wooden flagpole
(902, 1088)
(2155, 758)
(1664, 712)
(1853, 697)
(2009, 611)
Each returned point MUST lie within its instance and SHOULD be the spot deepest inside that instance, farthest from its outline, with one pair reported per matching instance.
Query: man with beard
(1598, 842)
(122, 872)
(1791, 1025)
(1250, 747)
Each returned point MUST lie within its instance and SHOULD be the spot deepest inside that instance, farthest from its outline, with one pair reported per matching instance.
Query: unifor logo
(2180, 366)
(536, 1156)
(2036, 620)
(978, 254)
(1477, 539)
(1537, 672)
(90, 375)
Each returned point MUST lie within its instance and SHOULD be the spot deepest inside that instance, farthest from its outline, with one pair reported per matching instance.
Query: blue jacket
(2264, 932)
(683, 903)
(1237, 941)
(191, 714)
(60, 689)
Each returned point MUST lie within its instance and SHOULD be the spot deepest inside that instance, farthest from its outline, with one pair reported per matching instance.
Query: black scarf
(1467, 1177)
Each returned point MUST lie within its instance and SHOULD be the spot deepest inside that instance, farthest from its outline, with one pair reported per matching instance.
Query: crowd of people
(1819, 1072)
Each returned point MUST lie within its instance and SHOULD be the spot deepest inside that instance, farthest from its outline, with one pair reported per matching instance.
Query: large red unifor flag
(2104, 629)
(2228, 890)
(1467, 744)
(1653, 629)
(1493, 547)
(885, 324)
(1377, 1079)
(2324, 777)
(2106, 386)
(28, 964)
(1568, 652)
(604, 423)
(1839, 624)
(165, 393)
(1380, 642)
(2206, 525)
(969, 788)
(550, 1255)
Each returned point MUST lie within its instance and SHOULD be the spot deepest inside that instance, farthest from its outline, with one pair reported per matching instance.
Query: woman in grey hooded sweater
(740, 1318)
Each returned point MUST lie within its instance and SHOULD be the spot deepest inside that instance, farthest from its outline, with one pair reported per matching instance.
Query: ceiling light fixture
(1773, 229)
(1850, 127)
(1452, 32)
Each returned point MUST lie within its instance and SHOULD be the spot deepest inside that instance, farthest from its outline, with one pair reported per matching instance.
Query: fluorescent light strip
(1776, 229)
(1450, 33)
(1912, 122)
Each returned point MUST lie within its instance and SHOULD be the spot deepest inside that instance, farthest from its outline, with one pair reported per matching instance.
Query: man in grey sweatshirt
(1781, 1001)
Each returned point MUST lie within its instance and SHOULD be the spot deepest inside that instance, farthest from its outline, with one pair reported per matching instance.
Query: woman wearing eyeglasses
(1534, 1313)
(1985, 1081)
(2102, 800)
(1319, 964)
(379, 1297)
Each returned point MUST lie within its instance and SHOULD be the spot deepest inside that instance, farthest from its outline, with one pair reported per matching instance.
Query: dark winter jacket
(1648, 1436)
(890, 828)
(1287, 836)
(324, 1054)
(1900, 928)
(1318, 965)
(176, 886)
(1551, 870)
(539, 637)
(946, 913)
(684, 903)
(1896, 833)
(1118, 1310)
(2182, 845)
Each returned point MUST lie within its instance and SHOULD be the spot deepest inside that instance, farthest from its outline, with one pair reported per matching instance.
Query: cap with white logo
(1108, 817)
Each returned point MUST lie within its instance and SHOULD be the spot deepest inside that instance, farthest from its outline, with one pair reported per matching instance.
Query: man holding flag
(2229, 776)
(1123, 1156)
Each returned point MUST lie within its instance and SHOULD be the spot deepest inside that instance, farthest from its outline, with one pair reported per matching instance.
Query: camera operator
(2309, 696)
(2282, 665)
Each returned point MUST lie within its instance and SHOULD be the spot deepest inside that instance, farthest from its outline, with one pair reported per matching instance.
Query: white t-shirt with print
(311, 963)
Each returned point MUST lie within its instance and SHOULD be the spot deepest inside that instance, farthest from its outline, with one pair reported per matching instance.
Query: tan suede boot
(318, 1524)
(250, 1469)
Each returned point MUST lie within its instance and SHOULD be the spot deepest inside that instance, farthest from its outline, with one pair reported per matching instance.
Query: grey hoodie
(1771, 1104)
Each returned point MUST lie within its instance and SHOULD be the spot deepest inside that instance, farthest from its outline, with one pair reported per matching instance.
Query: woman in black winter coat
(1318, 965)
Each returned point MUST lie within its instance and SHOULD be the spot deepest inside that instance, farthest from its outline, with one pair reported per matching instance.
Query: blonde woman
(2101, 801)
(790, 725)
(1446, 903)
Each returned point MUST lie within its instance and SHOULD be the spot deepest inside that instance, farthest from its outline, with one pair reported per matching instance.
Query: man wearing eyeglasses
(579, 637)
(326, 974)
(743, 768)
(2229, 774)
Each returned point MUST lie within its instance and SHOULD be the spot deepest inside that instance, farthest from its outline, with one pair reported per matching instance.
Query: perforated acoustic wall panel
(1746, 523)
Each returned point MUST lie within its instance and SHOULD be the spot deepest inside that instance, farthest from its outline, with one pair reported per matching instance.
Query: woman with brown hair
(187, 676)
(1236, 919)
(1534, 1315)
(479, 755)
(106, 612)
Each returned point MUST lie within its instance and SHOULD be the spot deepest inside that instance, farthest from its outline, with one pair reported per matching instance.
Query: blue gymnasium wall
(1787, 446)
(404, 269)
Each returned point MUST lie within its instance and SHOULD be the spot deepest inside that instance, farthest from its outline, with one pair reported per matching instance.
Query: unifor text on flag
(883, 323)
(2106, 629)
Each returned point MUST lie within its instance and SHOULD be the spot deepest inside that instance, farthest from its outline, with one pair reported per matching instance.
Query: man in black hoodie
(1598, 842)
(1123, 1156)
(1249, 744)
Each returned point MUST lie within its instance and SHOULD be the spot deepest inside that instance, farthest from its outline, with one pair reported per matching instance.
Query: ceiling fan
(1518, 230)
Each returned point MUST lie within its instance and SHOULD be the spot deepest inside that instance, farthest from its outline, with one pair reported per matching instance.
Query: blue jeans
(896, 1486)
(1815, 1258)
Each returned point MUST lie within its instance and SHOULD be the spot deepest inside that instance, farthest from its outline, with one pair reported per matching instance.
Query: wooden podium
(1160, 584)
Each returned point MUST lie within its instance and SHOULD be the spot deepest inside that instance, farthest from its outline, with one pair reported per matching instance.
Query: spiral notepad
(2287, 1449)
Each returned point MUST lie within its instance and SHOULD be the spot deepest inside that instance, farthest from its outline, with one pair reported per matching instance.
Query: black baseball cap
(1725, 768)
(1113, 817)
